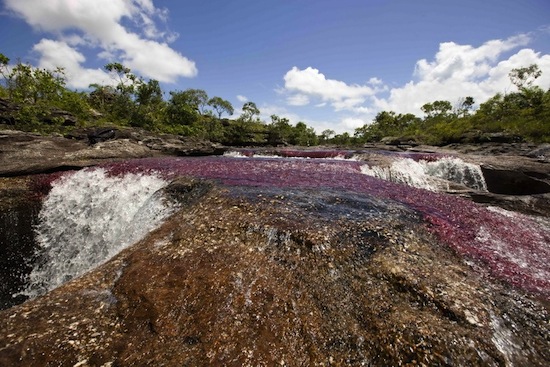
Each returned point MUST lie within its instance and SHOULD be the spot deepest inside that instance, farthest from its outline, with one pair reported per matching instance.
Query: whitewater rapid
(430, 175)
(88, 217)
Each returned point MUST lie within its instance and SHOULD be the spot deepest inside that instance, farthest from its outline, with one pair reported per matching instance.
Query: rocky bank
(259, 276)
(23, 153)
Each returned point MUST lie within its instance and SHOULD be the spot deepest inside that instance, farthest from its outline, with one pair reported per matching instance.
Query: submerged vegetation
(37, 99)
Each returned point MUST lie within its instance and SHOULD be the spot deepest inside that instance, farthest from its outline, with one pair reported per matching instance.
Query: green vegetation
(523, 115)
(40, 101)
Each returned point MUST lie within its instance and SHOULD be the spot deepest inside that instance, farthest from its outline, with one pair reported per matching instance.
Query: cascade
(91, 215)
(430, 175)
(88, 217)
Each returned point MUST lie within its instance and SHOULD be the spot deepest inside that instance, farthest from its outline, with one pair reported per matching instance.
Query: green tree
(250, 112)
(221, 106)
(150, 107)
(326, 135)
(304, 135)
(126, 81)
(180, 112)
(342, 139)
(437, 109)
(279, 131)
(524, 77)
(465, 105)
(197, 99)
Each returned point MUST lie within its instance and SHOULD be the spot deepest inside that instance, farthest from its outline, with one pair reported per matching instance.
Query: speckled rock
(262, 276)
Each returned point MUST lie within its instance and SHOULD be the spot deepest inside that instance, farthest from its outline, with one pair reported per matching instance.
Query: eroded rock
(23, 153)
(259, 276)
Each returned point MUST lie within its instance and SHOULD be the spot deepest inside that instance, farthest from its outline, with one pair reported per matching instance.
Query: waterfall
(434, 176)
(88, 217)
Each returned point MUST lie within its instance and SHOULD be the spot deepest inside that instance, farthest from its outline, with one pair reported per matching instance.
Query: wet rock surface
(264, 276)
(271, 273)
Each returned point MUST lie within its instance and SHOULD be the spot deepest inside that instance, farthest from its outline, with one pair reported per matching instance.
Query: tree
(465, 105)
(4, 70)
(221, 106)
(197, 99)
(304, 135)
(524, 77)
(149, 109)
(250, 111)
(126, 81)
(326, 135)
(279, 131)
(180, 111)
(342, 139)
(437, 109)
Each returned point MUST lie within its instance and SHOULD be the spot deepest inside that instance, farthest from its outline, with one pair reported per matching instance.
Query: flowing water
(431, 175)
(87, 218)
(90, 215)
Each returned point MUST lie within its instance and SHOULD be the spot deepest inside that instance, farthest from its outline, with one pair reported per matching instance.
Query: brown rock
(247, 277)
(24, 153)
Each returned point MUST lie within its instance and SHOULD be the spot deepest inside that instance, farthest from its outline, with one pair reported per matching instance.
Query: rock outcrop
(248, 277)
(24, 153)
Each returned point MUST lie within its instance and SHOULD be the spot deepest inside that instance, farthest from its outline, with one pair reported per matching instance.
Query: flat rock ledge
(246, 277)
(23, 153)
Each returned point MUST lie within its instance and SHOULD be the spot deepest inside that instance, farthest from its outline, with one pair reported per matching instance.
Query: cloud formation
(310, 82)
(123, 30)
(242, 98)
(456, 71)
(462, 70)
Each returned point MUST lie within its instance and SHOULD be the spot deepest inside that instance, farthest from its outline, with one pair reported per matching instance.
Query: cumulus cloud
(454, 72)
(60, 54)
(458, 71)
(98, 24)
(310, 82)
(298, 100)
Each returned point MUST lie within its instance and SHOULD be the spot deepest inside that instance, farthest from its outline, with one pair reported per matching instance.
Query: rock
(7, 111)
(55, 115)
(499, 137)
(542, 153)
(18, 216)
(399, 141)
(23, 153)
(512, 182)
(101, 135)
(252, 276)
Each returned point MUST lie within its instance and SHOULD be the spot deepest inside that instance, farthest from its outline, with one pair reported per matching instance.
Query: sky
(331, 64)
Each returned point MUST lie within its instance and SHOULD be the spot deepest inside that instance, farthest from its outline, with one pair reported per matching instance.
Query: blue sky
(330, 64)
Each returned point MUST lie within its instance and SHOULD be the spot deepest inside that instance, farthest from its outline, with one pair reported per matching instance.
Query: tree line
(521, 115)
(133, 101)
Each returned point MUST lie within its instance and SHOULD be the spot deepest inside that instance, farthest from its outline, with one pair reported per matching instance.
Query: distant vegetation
(40, 95)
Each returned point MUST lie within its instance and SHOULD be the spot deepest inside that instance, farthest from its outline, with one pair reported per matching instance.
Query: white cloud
(100, 22)
(298, 100)
(311, 83)
(352, 123)
(456, 71)
(60, 54)
(242, 98)
(462, 70)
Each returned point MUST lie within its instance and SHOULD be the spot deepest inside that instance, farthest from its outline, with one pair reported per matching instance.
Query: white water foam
(236, 154)
(87, 218)
(433, 176)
